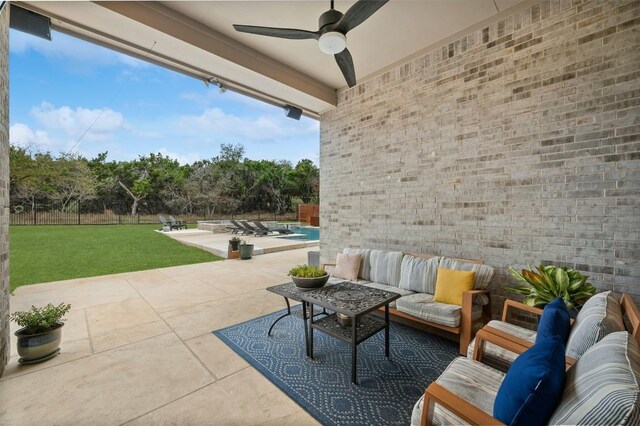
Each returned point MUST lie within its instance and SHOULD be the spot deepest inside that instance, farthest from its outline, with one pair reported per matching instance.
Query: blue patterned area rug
(387, 390)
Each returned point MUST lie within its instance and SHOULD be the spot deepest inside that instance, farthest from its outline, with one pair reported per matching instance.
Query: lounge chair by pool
(253, 229)
(260, 225)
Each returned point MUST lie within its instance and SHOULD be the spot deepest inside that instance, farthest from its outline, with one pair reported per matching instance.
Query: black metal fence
(75, 213)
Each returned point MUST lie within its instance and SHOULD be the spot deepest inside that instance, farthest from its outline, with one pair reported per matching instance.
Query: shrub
(306, 271)
(39, 320)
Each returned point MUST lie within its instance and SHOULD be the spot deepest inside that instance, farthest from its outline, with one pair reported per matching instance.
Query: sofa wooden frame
(465, 331)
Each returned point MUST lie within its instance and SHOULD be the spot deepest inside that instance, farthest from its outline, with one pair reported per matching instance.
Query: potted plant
(234, 243)
(551, 282)
(246, 250)
(308, 276)
(41, 332)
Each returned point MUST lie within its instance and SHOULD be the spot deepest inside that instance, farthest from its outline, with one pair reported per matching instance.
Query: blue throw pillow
(554, 321)
(532, 388)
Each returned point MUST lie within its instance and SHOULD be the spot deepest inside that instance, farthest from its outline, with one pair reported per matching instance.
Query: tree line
(151, 184)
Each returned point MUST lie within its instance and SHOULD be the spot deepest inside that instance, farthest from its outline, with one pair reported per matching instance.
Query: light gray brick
(4, 188)
(536, 160)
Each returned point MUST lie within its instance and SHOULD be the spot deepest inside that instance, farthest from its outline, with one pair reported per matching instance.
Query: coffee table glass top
(345, 297)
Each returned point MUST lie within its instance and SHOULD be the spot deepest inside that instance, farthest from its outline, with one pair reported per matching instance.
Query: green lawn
(41, 254)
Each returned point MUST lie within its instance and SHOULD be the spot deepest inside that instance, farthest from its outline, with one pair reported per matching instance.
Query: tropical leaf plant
(547, 283)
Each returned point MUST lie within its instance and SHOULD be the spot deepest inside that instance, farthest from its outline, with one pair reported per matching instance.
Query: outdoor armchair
(602, 314)
(600, 388)
(172, 223)
(177, 224)
(164, 222)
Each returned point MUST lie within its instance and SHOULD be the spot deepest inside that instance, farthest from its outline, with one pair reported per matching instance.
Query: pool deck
(217, 243)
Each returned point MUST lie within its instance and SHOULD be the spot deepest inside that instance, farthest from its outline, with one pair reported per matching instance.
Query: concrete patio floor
(137, 349)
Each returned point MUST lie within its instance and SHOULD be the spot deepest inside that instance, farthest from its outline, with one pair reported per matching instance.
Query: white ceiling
(399, 29)
(198, 38)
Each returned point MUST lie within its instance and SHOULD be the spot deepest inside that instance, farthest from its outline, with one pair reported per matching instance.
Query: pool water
(310, 233)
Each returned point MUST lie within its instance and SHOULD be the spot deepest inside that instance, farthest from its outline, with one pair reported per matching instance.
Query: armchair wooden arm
(485, 335)
(466, 317)
(503, 334)
(633, 314)
(452, 402)
(500, 338)
(511, 305)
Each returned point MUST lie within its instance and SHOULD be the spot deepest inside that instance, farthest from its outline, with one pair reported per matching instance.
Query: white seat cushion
(421, 305)
(390, 288)
(470, 380)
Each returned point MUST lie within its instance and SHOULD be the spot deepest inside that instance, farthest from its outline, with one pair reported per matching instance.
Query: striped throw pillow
(385, 266)
(598, 317)
(418, 274)
(602, 386)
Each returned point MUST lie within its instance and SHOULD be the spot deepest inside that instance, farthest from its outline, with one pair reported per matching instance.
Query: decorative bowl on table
(310, 283)
(343, 320)
(308, 276)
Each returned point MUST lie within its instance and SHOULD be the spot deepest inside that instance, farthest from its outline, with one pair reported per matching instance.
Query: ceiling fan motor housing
(329, 17)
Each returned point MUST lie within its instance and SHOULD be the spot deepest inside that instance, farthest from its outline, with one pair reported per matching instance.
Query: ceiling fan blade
(357, 14)
(290, 33)
(345, 62)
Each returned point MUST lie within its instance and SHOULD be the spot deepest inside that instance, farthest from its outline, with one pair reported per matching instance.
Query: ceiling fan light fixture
(332, 42)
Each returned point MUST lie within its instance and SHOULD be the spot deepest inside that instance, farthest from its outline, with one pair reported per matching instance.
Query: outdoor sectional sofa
(413, 276)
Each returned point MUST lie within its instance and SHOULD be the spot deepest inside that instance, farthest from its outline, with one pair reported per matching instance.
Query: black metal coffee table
(353, 300)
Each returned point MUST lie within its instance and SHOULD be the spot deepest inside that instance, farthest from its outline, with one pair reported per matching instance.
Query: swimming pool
(309, 233)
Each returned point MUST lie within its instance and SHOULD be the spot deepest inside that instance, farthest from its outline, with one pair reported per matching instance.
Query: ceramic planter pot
(246, 251)
(310, 283)
(235, 244)
(35, 348)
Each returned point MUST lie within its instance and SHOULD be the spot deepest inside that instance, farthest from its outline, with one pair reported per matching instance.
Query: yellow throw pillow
(347, 266)
(450, 285)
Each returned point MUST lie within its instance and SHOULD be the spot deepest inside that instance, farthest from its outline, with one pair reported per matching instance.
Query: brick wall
(4, 188)
(517, 144)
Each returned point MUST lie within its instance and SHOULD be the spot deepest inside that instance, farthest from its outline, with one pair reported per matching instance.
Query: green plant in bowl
(306, 271)
(547, 283)
(41, 333)
(308, 276)
(38, 320)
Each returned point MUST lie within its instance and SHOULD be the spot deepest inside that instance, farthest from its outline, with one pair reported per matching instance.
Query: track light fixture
(293, 112)
(216, 82)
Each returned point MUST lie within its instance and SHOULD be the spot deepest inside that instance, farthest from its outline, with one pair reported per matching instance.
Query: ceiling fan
(331, 35)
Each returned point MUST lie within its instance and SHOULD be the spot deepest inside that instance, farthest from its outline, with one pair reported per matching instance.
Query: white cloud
(74, 122)
(212, 94)
(183, 159)
(70, 49)
(263, 128)
(23, 136)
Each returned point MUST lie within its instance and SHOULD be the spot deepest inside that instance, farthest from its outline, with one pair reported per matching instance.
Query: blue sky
(59, 88)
